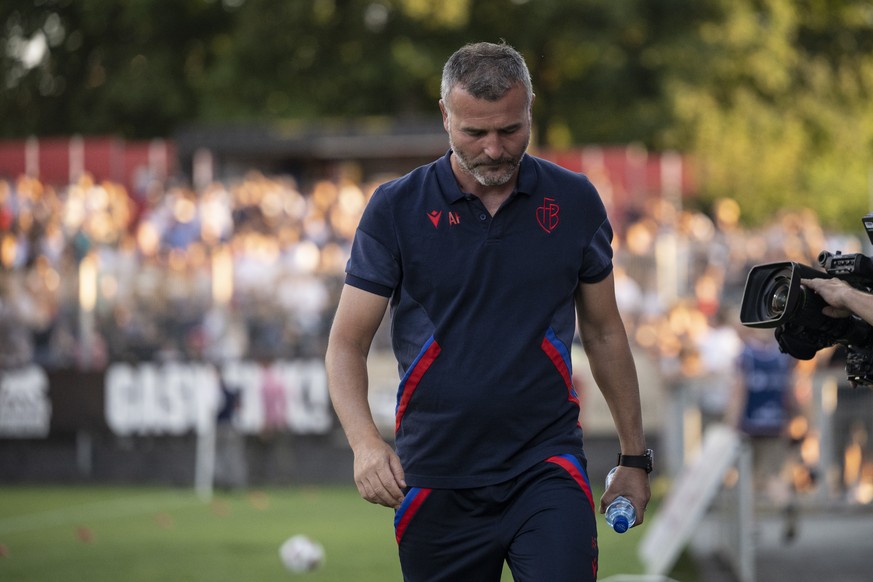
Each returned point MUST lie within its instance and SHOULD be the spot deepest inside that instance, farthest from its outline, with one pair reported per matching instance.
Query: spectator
(763, 405)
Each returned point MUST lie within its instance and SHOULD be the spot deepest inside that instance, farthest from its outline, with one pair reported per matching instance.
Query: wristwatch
(644, 461)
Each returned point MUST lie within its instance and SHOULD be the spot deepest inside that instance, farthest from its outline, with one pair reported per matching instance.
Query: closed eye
(502, 131)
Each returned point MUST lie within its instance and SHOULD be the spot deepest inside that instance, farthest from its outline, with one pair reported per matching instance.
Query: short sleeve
(374, 262)
(597, 260)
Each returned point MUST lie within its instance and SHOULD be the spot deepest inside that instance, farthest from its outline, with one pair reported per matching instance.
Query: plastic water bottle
(620, 515)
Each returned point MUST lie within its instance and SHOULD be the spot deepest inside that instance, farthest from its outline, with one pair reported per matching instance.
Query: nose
(492, 146)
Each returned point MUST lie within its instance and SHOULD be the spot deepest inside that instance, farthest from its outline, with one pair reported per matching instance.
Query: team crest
(547, 215)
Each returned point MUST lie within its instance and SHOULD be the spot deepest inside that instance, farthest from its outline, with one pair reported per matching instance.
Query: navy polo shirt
(482, 316)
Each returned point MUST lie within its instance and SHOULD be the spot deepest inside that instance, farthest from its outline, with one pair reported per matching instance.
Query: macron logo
(435, 216)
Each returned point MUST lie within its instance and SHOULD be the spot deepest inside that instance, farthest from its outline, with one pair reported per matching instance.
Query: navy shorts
(542, 523)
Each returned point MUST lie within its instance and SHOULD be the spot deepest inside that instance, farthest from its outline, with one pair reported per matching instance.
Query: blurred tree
(142, 67)
(320, 58)
(773, 97)
(100, 66)
(595, 65)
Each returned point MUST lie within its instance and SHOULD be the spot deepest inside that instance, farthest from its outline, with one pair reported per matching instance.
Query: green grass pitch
(111, 533)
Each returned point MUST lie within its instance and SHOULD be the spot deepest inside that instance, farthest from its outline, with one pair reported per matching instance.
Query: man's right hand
(378, 474)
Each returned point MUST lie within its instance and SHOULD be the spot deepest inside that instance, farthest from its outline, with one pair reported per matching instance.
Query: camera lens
(778, 300)
(776, 296)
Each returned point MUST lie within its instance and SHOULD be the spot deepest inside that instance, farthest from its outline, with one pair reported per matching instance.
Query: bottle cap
(620, 524)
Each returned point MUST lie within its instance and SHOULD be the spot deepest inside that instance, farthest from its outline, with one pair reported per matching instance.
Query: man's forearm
(614, 371)
(347, 383)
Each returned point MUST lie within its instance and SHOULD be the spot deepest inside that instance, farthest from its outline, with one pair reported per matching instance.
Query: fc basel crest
(547, 215)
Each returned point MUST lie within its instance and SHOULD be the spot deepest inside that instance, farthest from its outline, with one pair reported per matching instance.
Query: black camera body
(774, 298)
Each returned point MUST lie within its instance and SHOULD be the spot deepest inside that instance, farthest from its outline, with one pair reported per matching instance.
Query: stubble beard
(482, 171)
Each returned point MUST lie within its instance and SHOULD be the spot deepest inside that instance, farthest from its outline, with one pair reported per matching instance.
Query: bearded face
(488, 138)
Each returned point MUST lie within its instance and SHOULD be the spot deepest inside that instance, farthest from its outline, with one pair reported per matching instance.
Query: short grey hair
(486, 71)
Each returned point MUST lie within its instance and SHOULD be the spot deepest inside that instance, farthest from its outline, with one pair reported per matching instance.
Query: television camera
(774, 298)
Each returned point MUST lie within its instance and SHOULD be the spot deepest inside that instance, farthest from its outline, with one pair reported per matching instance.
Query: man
(482, 256)
(762, 406)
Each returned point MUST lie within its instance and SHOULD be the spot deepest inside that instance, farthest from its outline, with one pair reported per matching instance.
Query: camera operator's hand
(843, 300)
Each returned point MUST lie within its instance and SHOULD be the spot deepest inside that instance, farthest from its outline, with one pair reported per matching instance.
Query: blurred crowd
(680, 282)
(90, 273)
(680, 277)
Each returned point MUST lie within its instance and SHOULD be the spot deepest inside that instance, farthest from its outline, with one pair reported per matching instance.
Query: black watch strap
(644, 461)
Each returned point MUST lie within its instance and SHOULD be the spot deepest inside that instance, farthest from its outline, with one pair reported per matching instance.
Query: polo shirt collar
(527, 178)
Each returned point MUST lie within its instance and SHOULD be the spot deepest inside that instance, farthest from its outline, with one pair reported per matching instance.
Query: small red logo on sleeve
(547, 215)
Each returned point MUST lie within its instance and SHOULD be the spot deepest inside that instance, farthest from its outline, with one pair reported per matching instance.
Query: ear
(445, 111)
